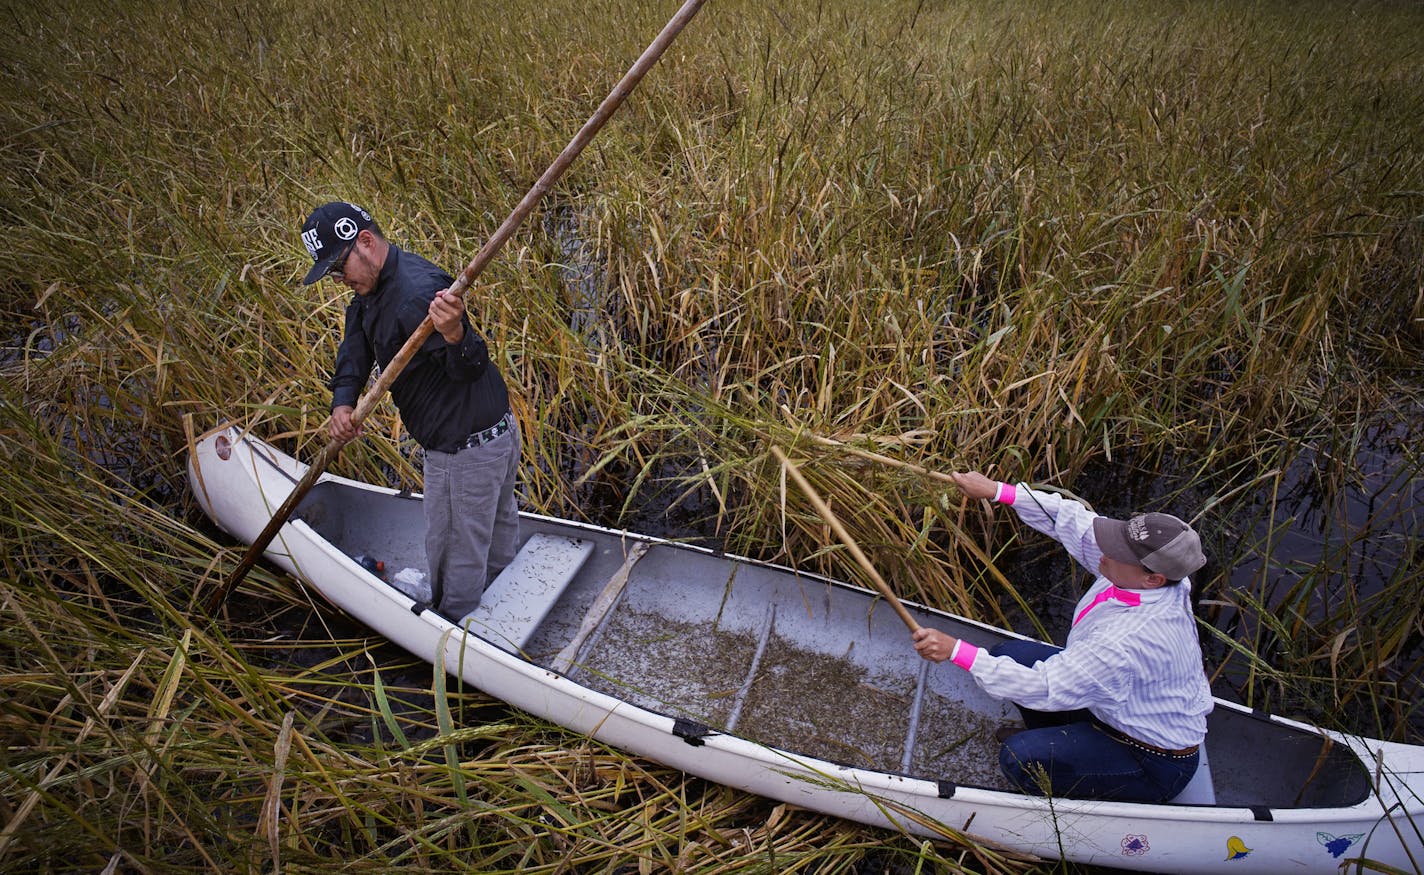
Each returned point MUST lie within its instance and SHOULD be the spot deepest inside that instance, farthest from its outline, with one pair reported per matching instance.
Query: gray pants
(471, 518)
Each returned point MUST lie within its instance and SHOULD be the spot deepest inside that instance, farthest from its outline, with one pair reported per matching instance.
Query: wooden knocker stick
(884, 460)
(825, 511)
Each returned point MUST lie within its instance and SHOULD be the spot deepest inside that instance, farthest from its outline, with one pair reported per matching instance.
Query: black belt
(484, 436)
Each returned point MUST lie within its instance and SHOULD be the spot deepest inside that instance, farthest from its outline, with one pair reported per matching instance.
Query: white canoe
(803, 689)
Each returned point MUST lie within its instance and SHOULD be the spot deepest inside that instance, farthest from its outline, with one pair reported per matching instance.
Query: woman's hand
(975, 485)
(932, 644)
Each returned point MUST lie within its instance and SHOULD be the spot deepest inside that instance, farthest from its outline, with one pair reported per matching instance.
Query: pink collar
(1128, 597)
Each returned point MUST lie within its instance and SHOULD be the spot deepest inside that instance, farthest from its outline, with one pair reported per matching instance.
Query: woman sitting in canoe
(1120, 711)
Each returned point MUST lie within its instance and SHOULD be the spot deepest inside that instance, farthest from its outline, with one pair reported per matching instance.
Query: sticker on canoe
(1135, 846)
(1236, 849)
(1337, 845)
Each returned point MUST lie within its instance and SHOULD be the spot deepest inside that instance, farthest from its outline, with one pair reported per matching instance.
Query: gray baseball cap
(1157, 541)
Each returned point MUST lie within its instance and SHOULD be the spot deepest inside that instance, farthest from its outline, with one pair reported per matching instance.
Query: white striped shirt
(1132, 657)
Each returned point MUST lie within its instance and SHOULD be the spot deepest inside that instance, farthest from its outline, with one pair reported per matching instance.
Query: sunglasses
(337, 271)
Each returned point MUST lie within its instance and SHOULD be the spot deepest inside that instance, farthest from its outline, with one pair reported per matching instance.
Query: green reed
(1041, 240)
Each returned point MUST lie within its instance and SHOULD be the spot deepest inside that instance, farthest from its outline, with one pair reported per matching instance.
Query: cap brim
(320, 269)
(1111, 536)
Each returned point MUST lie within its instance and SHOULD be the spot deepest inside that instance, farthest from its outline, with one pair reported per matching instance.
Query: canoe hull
(241, 491)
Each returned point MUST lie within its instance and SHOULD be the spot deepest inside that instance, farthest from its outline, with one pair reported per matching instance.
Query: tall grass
(1066, 242)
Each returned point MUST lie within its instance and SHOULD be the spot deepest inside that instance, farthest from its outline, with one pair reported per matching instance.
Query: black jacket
(446, 392)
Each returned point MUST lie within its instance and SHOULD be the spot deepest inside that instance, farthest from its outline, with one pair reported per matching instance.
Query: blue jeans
(1070, 753)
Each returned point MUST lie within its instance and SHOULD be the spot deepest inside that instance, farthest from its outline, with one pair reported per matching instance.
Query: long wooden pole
(467, 276)
(840, 530)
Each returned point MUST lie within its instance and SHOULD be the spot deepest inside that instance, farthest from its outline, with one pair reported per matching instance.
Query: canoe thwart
(917, 707)
(518, 600)
(745, 689)
(598, 611)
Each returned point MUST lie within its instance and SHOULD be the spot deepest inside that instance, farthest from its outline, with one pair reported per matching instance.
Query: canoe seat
(1199, 790)
(518, 600)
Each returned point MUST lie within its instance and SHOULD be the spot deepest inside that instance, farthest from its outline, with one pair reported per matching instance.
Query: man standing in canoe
(451, 396)
(1120, 711)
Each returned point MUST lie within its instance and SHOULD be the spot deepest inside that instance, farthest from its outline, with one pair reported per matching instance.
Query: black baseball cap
(328, 231)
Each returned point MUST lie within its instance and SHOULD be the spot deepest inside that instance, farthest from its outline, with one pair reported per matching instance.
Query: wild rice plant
(1164, 254)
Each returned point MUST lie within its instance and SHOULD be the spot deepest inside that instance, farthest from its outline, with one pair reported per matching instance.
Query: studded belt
(1124, 737)
(484, 436)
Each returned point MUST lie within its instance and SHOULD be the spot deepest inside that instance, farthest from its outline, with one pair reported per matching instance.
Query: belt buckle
(484, 436)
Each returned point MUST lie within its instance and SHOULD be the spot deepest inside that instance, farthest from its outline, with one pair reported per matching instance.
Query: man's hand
(975, 485)
(932, 644)
(342, 429)
(445, 313)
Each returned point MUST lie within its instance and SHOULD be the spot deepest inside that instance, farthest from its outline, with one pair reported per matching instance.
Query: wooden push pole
(467, 276)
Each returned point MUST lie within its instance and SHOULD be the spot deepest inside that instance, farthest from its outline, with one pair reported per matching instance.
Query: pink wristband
(1006, 494)
(963, 654)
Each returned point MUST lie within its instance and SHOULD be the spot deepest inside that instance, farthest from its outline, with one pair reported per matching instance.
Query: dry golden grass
(1040, 240)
